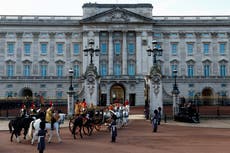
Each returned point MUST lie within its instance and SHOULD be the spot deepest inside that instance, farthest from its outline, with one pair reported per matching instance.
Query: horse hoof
(49, 142)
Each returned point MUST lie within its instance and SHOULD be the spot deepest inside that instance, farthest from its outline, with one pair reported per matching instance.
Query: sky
(74, 7)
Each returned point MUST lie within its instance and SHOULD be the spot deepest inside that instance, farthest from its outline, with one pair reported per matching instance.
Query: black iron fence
(11, 106)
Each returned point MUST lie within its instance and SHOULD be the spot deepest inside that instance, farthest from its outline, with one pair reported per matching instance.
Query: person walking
(49, 115)
(41, 137)
(159, 116)
(155, 121)
(113, 128)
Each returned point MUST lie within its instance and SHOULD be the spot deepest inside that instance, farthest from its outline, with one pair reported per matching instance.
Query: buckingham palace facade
(36, 53)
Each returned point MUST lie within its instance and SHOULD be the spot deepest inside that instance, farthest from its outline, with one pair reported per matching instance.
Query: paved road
(212, 136)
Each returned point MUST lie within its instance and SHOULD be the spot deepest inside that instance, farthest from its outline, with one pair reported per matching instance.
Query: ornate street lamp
(175, 93)
(70, 94)
(155, 51)
(71, 79)
(91, 50)
(175, 88)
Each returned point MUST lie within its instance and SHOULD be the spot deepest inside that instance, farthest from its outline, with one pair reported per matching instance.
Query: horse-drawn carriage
(187, 114)
(96, 119)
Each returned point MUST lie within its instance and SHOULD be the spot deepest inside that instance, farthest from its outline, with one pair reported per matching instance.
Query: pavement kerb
(212, 123)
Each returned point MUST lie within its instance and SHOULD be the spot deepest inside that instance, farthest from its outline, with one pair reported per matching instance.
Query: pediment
(117, 15)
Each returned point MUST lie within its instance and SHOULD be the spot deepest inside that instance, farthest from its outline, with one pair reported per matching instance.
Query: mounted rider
(77, 108)
(83, 108)
(32, 109)
(49, 115)
(23, 112)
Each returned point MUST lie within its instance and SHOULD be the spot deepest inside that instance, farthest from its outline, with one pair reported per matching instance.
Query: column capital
(68, 34)
(19, 34)
(52, 34)
(36, 34)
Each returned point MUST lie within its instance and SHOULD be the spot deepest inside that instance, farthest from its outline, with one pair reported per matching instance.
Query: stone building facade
(36, 53)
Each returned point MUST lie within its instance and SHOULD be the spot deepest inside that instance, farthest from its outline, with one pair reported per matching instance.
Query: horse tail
(10, 126)
(30, 131)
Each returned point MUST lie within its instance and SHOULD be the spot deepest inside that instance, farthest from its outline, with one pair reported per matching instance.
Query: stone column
(124, 55)
(175, 94)
(139, 57)
(70, 100)
(155, 92)
(91, 83)
(19, 52)
(3, 52)
(111, 53)
(35, 53)
(52, 54)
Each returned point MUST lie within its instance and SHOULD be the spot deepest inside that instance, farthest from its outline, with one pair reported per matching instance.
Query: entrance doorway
(207, 96)
(26, 92)
(117, 94)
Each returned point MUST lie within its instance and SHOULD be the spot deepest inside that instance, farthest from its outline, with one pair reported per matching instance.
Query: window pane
(222, 70)
(27, 47)
(76, 49)
(103, 69)
(10, 70)
(131, 48)
(206, 48)
(43, 70)
(174, 49)
(206, 70)
(117, 48)
(117, 69)
(222, 48)
(59, 70)
(131, 69)
(10, 48)
(190, 70)
(26, 70)
(43, 48)
(190, 49)
(76, 70)
(103, 48)
(59, 48)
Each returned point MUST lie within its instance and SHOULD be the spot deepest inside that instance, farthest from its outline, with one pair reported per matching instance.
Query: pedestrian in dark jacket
(41, 137)
(155, 120)
(113, 128)
(159, 115)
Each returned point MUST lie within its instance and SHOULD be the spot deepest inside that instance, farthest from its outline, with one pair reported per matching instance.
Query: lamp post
(70, 93)
(91, 50)
(71, 79)
(197, 95)
(92, 80)
(218, 104)
(155, 51)
(155, 91)
(175, 93)
(175, 88)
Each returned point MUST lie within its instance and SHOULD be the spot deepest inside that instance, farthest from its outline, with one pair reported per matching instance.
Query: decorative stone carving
(166, 35)
(182, 35)
(214, 34)
(156, 83)
(19, 34)
(198, 34)
(119, 16)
